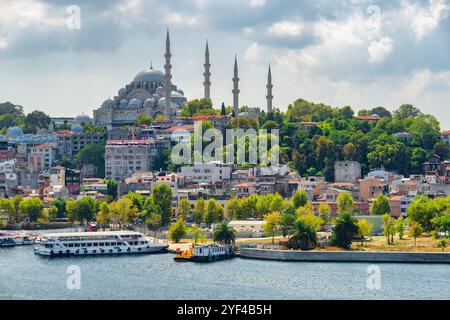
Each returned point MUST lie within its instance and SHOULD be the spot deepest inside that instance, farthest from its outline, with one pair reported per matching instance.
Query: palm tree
(303, 236)
(224, 234)
(345, 229)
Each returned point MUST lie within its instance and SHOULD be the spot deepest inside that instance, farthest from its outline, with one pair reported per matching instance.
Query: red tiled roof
(446, 133)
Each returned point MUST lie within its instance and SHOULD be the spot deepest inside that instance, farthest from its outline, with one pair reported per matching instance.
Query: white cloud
(425, 20)
(253, 53)
(257, 3)
(286, 28)
(248, 31)
(183, 20)
(379, 50)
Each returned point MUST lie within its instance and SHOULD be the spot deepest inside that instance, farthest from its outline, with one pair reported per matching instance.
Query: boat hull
(102, 251)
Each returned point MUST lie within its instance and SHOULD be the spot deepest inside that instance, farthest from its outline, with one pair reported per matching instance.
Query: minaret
(269, 91)
(168, 78)
(236, 88)
(207, 74)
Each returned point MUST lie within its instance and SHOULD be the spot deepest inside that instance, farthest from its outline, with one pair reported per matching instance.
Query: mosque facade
(145, 95)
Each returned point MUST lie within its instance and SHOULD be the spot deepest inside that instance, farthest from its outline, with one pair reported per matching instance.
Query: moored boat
(23, 240)
(207, 253)
(7, 241)
(96, 243)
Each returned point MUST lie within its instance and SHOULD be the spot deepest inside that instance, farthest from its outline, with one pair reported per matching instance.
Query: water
(24, 275)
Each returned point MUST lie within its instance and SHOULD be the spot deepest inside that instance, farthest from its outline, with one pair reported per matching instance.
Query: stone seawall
(345, 256)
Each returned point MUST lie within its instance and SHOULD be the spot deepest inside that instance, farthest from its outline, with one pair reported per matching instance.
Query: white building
(125, 157)
(212, 172)
(347, 171)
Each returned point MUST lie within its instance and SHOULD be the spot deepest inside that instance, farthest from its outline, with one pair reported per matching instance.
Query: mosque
(147, 94)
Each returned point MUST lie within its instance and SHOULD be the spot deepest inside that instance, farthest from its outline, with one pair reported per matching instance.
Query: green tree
(162, 195)
(213, 212)
(37, 119)
(60, 204)
(300, 198)
(345, 203)
(325, 212)
(112, 185)
(442, 222)
(93, 154)
(272, 224)
(144, 119)
(11, 109)
(7, 208)
(289, 216)
(184, 208)
(197, 233)
(224, 234)
(415, 231)
(32, 208)
(400, 226)
(422, 211)
(232, 208)
(177, 231)
(442, 244)
(85, 209)
(53, 213)
(303, 236)
(388, 228)
(122, 211)
(364, 229)
(442, 149)
(380, 206)
(104, 214)
(344, 230)
(199, 107)
(70, 210)
(199, 211)
(406, 111)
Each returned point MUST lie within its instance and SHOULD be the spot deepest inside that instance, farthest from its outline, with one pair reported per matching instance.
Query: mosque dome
(14, 131)
(108, 103)
(176, 94)
(122, 92)
(149, 75)
(123, 103)
(135, 103)
(77, 129)
(160, 91)
(162, 103)
(150, 102)
(82, 118)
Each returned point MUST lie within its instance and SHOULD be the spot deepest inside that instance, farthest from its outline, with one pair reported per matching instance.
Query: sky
(65, 57)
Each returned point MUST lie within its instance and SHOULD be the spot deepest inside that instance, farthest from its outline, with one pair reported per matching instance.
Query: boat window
(70, 245)
(95, 244)
(83, 245)
(89, 244)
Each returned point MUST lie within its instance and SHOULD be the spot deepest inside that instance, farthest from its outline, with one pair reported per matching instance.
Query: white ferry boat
(96, 243)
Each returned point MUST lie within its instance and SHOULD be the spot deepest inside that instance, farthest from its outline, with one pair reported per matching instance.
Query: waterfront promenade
(345, 256)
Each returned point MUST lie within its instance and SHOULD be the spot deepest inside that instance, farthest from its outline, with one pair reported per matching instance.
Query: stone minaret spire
(269, 91)
(236, 88)
(168, 77)
(207, 73)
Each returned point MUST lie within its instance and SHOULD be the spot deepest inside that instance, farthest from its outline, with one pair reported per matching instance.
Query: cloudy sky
(362, 53)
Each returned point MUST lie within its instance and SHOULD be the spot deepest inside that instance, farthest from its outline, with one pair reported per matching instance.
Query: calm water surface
(24, 275)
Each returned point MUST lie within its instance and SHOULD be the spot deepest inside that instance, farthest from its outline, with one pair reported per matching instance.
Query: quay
(345, 256)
